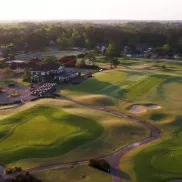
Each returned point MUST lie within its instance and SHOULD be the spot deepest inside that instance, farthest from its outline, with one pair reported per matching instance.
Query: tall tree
(111, 53)
(26, 76)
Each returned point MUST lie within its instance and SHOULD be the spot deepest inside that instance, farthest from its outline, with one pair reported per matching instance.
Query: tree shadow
(119, 173)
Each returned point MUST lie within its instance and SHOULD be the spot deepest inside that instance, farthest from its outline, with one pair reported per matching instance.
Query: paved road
(114, 158)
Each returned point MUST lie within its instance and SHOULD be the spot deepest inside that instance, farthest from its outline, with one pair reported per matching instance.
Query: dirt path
(114, 158)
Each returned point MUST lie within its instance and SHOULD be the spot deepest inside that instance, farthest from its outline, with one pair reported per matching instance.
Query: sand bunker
(137, 109)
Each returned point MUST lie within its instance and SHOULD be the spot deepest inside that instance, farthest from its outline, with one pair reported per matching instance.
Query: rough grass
(76, 174)
(114, 127)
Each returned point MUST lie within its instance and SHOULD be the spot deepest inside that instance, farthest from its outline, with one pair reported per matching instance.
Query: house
(16, 64)
(51, 72)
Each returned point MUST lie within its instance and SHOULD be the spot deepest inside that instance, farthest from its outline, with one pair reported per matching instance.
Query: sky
(91, 9)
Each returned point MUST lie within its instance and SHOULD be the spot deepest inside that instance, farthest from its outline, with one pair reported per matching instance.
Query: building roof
(46, 67)
(15, 61)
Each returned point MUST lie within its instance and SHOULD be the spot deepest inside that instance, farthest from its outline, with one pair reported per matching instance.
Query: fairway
(44, 132)
(110, 83)
(57, 54)
(126, 88)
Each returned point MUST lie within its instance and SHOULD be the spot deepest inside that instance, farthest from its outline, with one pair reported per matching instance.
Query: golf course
(111, 116)
(123, 88)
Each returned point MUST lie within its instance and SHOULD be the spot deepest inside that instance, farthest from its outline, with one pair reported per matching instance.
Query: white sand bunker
(137, 109)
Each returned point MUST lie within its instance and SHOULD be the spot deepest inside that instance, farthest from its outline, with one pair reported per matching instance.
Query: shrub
(100, 164)
(80, 55)
(163, 66)
(14, 93)
(12, 170)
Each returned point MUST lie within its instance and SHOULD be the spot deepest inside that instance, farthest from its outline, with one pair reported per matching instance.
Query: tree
(100, 164)
(26, 76)
(166, 47)
(90, 57)
(49, 59)
(112, 52)
(115, 62)
(80, 64)
(6, 73)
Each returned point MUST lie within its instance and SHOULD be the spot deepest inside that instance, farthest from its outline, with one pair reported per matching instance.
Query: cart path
(114, 158)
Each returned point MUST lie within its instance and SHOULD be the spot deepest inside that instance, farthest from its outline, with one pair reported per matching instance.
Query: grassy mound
(44, 132)
(100, 100)
(85, 131)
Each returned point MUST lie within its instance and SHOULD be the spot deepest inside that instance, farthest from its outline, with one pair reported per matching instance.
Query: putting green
(170, 161)
(44, 132)
(136, 76)
(172, 89)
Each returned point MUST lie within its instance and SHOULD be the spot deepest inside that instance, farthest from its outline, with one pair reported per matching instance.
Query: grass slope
(125, 130)
(44, 132)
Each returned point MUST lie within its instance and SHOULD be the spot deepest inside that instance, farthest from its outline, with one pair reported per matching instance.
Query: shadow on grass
(94, 86)
(120, 174)
(114, 172)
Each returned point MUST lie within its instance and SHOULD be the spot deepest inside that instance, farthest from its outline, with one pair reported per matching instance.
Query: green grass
(142, 87)
(160, 162)
(86, 141)
(44, 132)
(7, 82)
(110, 83)
(163, 88)
(76, 174)
(57, 54)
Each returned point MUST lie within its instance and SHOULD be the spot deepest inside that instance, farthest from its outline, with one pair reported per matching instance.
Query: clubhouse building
(51, 72)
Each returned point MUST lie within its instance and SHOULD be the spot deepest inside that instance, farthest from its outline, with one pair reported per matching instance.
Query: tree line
(36, 36)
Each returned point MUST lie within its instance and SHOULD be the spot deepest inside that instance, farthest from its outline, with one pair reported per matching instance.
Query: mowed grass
(163, 88)
(87, 140)
(75, 174)
(141, 88)
(57, 54)
(44, 132)
(109, 83)
(160, 162)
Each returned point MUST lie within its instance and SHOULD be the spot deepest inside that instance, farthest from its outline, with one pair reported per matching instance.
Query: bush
(26, 76)
(12, 170)
(80, 55)
(14, 93)
(100, 164)
(164, 67)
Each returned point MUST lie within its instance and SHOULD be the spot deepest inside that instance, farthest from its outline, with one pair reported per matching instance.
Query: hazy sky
(91, 9)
